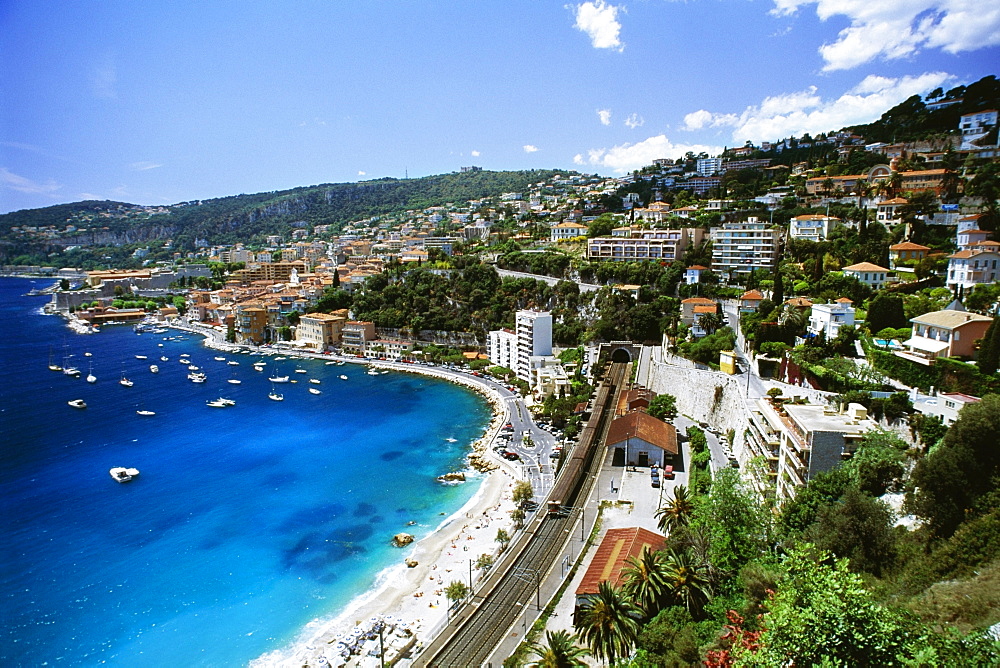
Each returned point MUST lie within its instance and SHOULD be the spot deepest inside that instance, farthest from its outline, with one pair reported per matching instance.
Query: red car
(668, 472)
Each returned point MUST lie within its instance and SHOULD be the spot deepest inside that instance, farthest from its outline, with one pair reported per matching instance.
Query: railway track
(472, 637)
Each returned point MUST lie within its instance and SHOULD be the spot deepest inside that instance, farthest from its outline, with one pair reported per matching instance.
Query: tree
(522, 492)
(601, 226)
(503, 538)
(878, 463)
(560, 651)
(989, 350)
(609, 623)
(677, 512)
(484, 562)
(456, 591)
(858, 528)
(687, 582)
(663, 406)
(645, 581)
(885, 310)
(64, 284)
(952, 478)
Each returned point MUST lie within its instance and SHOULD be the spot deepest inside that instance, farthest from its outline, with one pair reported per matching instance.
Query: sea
(245, 524)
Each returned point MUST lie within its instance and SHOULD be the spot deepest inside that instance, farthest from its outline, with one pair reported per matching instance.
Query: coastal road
(584, 287)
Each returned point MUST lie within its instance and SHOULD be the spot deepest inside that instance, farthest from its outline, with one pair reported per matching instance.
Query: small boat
(314, 381)
(260, 363)
(277, 359)
(329, 363)
(88, 354)
(196, 377)
(184, 360)
(234, 381)
(144, 412)
(159, 345)
(121, 474)
(219, 359)
(301, 371)
(71, 371)
(52, 365)
(154, 368)
(343, 377)
(77, 403)
(125, 382)
(220, 403)
(233, 363)
(91, 378)
(192, 367)
(372, 372)
(164, 358)
(258, 368)
(274, 396)
(313, 390)
(140, 357)
(279, 379)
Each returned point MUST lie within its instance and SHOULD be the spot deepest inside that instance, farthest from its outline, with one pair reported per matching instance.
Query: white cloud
(894, 29)
(807, 111)
(627, 157)
(475, 154)
(144, 165)
(528, 148)
(634, 121)
(362, 173)
(600, 21)
(9, 179)
(605, 116)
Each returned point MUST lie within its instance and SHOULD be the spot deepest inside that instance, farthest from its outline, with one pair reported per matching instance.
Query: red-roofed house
(977, 265)
(688, 314)
(870, 274)
(750, 300)
(611, 559)
(906, 251)
(644, 439)
(693, 274)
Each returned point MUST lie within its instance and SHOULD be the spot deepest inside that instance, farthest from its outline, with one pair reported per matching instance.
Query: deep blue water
(245, 523)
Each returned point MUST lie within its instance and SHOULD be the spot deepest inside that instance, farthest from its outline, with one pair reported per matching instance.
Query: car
(529, 506)
(668, 472)
(734, 463)
(510, 456)
(554, 454)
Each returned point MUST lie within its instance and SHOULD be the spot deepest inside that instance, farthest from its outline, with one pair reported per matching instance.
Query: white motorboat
(279, 379)
(219, 359)
(140, 357)
(71, 371)
(88, 354)
(192, 367)
(125, 382)
(77, 403)
(329, 363)
(313, 390)
(233, 363)
(274, 396)
(343, 377)
(164, 358)
(234, 381)
(298, 370)
(277, 359)
(372, 372)
(144, 412)
(121, 474)
(154, 368)
(195, 377)
(314, 381)
(218, 403)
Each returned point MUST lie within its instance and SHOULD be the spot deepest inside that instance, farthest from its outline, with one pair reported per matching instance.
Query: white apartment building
(534, 339)
(668, 245)
(976, 125)
(708, 166)
(566, 230)
(827, 319)
(740, 248)
(974, 266)
(501, 347)
(812, 227)
(800, 441)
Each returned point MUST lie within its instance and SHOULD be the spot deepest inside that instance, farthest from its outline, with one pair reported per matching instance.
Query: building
(805, 439)
(355, 335)
(886, 211)
(534, 339)
(750, 301)
(566, 230)
(612, 557)
(642, 440)
(827, 319)
(974, 266)
(501, 346)
(946, 406)
(636, 245)
(320, 330)
(976, 125)
(693, 274)
(699, 185)
(870, 274)
(812, 227)
(948, 333)
(708, 166)
(693, 307)
(906, 251)
(740, 248)
(251, 324)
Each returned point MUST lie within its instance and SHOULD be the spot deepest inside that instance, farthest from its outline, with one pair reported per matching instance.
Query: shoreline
(409, 597)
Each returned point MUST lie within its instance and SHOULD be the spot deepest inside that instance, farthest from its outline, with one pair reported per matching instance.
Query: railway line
(479, 627)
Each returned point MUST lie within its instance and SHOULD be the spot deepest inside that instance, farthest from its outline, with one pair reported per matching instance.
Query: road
(584, 287)
(755, 387)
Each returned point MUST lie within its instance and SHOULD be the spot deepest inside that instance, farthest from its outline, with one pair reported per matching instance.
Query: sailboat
(125, 381)
(91, 378)
(315, 390)
(274, 396)
(52, 365)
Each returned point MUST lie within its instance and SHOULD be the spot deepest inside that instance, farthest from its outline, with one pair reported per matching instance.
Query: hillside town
(811, 309)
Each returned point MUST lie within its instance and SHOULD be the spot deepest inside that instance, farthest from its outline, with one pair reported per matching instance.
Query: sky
(156, 103)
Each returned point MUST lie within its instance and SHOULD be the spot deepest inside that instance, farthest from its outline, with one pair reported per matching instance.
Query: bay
(245, 522)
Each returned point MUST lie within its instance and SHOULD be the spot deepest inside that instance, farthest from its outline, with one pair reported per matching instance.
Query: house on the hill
(642, 440)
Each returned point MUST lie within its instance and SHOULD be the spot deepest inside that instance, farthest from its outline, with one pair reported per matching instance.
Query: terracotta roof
(698, 267)
(865, 266)
(800, 302)
(706, 308)
(894, 201)
(908, 245)
(752, 294)
(815, 216)
(644, 427)
(845, 300)
(612, 555)
(697, 300)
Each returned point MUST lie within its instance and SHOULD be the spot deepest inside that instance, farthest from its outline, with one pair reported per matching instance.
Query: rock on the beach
(402, 539)
(455, 476)
(411, 563)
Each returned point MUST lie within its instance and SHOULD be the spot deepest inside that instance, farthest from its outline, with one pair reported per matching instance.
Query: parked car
(511, 456)
(668, 472)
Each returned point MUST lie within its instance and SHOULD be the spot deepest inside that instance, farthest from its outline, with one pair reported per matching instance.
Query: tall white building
(534, 339)
(708, 166)
(739, 248)
(501, 346)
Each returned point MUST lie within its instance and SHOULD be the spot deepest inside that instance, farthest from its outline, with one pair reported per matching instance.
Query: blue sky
(156, 102)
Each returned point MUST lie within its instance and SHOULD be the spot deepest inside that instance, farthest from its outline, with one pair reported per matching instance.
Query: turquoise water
(245, 523)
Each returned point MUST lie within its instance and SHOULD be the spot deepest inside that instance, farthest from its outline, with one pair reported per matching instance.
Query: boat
(88, 354)
(140, 357)
(301, 371)
(125, 382)
(159, 345)
(196, 377)
(233, 363)
(343, 377)
(121, 474)
(329, 363)
(258, 368)
(184, 360)
(192, 367)
(144, 412)
(91, 378)
(313, 390)
(219, 359)
(314, 381)
(372, 372)
(77, 403)
(164, 358)
(220, 403)
(260, 363)
(274, 396)
(234, 381)
(71, 371)
(277, 359)
(279, 379)
(52, 365)
(154, 368)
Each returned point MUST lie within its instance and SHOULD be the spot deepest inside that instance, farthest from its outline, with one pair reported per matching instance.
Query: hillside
(245, 218)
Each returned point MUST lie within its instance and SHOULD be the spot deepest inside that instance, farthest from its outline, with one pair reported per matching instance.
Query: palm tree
(645, 580)
(560, 651)
(710, 322)
(609, 623)
(677, 512)
(687, 581)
